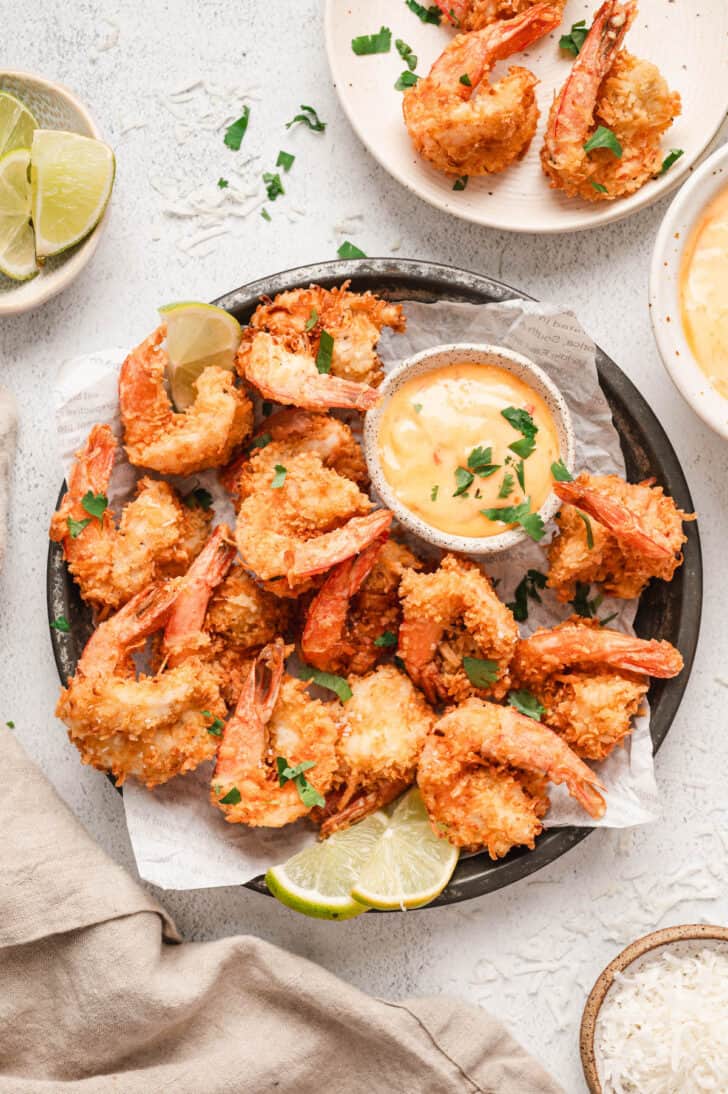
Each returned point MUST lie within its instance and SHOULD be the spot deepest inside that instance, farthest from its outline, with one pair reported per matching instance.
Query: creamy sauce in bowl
(704, 292)
(446, 446)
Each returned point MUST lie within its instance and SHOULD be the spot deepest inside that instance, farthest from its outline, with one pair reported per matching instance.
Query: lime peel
(17, 248)
(198, 335)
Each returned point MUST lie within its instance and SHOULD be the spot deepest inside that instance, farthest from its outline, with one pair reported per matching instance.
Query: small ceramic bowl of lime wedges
(56, 176)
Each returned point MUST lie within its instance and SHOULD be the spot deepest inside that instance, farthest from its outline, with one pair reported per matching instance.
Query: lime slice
(17, 248)
(317, 880)
(16, 124)
(71, 178)
(410, 865)
(198, 335)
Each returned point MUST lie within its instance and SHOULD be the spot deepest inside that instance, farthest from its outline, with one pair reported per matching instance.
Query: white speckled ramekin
(434, 358)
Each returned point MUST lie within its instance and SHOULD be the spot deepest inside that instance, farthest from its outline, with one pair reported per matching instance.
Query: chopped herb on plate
(372, 43)
(574, 40)
(285, 160)
(308, 794)
(385, 640)
(348, 250)
(337, 684)
(434, 492)
(507, 485)
(479, 462)
(461, 182)
(480, 671)
(528, 587)
(521, 421)
(599, 187)
(531, 523)
(310, 118)
(604, 138)
(325, 352)
(589, 530)
(560, 472)
(231, 798)
(216, 726)
(465, 80)
(526, 703)
(312, 320)
(75, 527)
(261, 441)
(265, 214)
(405, 52)
(273, 185)
(407, 79)
(280, 476)
(95, 504)
(223, 183)
(427, 15)
(672, 157)
(60, 623)
(235, 132)
(463, 480)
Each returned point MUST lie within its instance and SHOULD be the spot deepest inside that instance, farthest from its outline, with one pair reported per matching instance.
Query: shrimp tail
(90, 473)
(244, 736)
(140, 617)
(316, 556)
(616, 518)
(360, 806)
(203, 576)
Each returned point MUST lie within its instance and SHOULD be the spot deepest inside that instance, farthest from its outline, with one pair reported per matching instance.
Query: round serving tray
(670, 611)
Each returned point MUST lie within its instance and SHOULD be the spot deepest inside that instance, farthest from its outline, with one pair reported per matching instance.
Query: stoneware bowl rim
(33, 293)
(687, 932)
(434, 357)
(664, 290)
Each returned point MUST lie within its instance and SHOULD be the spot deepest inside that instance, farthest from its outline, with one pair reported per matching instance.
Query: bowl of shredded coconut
(656, 1021)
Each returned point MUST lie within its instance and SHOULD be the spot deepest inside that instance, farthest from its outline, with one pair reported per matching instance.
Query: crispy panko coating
(356, 607)
(636, 531)
(275, 717)
(591, 680)
(449, 616)
(471, 777)
(157, 536)
(244, 614)
(313, 520)
(467, 15)
(478, 128)
(354, 321)
(203, 436)
(386, 722)
(608, 87)
(151, 728)
(290, 432)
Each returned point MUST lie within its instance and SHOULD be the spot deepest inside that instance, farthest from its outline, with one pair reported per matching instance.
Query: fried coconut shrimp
(157, 536)
(591, 680)
(608, 89)
(634, 534)
(457, 638)
(354, 321)
(275, 719)
(386, 724)
(203, 436)
(478, 128)
(353, 620)
(298, 519)
(289, 432)
(151, 728)
(467, 15)
(483, 774)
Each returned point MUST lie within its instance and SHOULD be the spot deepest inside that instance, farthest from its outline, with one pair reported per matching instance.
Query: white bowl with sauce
(438, 444)
(689, 291)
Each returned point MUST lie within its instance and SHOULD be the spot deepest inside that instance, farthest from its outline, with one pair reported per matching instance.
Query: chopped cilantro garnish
(235, 133)
(461, 182)
(60, 623)
(507, 485)
(604, 138)
(310, 118)
(560, 472)
(216, 726)
(417, 407)
(75, 527)
(372, 43)
(521, 420)
(589, 531)
(262, 440)
(526, 703)
(608, 619)
(348, 250)
(198, 499)
(581, 603)
(574, 40)
(465, 80)
(10, 724)
(285, 160)
(479, 462)
(521, 514)
(672, 157)
(337, 684)
(273, 185)
(325, 352)
(267, 409)
(480, 672)
(308, 794)
(427, 15)
(453, 18)
(95, 504)
(463, 480)
(265, 214)
(385, 640)
(598, 186)
(280, 476)
(405, 52)
(231, 798)
(521, 474)
(528, 586)
(434, 492)
(405, 80)
(312, 320)
(223, 183)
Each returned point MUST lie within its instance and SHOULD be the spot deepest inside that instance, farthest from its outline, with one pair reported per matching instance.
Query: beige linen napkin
(95, 996)
(8, 422)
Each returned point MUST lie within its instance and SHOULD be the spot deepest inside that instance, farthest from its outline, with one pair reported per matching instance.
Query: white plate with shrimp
(690, 47)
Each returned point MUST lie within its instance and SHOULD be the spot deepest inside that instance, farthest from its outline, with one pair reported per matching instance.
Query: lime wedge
(410, 865)
(71, 178)
(198, 335)
(16, 124)
(317, 880)
(17, 247)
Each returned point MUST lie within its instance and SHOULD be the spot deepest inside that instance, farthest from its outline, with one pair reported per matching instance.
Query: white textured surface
(529, 953)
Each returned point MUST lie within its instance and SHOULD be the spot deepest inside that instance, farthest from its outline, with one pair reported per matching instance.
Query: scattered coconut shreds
(129, 126)
(204, 107)
(662, 1028)
(108, 37)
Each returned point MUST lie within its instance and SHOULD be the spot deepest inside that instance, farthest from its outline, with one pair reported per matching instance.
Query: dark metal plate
(669, 611)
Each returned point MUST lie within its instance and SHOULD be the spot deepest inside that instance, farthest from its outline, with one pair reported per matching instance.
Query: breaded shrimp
(608, 89)
(591, 680)
(457, 638)
(471, 777)
(203, 436)
(353, 320)
(157, 536)
(634, 529)
(461, 122)
(353, 620)
(275, 720)
(468, 15)
(386, 722)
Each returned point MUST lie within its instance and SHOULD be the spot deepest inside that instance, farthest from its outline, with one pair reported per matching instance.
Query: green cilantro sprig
(426, 15)
(604, 138)
(574, 40)
(216, 725)
(285, 160)
(521, 421)
(481, 672)
(531, 523)
(380, 42)
(526, 703)
(325, 353)
(349, 250)
(672, 157)
(405, 52)
(308, 794)
(405, 80)
(273, 185)
(234, 134)
(61, 624)
(461, 182)
(309, 117)
(560, 472)
(527, 588)
(328, 680)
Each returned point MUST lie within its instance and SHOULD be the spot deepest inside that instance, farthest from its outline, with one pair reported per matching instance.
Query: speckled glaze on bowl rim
(465, 353)
(656, 940)
(58, 272)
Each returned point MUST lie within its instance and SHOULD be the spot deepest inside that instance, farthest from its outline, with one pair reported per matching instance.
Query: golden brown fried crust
(592, 711)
